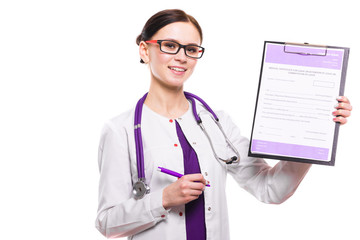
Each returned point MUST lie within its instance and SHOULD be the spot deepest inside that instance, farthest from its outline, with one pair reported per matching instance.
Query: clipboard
(297, 91)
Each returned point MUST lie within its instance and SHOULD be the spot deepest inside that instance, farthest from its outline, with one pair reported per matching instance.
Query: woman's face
(168, 69)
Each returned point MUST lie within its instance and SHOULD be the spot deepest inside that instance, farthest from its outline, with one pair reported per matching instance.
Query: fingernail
(336, 105)
(334, 113)
(339, 98)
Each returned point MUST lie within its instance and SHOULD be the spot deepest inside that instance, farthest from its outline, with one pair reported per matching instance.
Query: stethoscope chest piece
(140, 189)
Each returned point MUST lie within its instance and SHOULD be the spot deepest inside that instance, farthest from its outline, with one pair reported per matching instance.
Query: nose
(181, 56)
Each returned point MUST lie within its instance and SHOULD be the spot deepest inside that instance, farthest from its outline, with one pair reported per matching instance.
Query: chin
(175, 84)
(175, 81)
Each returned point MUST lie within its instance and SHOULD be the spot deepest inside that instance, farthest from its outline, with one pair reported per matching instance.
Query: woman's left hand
(343, 110)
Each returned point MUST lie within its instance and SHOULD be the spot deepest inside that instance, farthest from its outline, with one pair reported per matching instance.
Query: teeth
(177, 69)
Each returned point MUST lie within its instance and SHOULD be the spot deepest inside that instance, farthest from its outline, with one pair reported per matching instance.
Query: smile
(178, 69)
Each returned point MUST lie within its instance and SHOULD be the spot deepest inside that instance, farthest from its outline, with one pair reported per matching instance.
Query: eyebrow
(174, 40)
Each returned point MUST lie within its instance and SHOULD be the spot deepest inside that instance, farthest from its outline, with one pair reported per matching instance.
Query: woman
(181, 208)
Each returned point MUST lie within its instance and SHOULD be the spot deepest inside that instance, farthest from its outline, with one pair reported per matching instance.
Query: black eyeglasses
(172, 47)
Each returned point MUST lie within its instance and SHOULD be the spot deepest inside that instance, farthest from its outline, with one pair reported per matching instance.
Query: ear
(144, 51)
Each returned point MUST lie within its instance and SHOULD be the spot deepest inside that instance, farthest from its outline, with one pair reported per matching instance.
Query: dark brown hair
(163, 18)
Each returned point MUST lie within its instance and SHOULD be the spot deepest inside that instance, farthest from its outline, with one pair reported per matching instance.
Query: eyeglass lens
(173, 48)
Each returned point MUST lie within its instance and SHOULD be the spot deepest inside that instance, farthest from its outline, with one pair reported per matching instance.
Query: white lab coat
(120, 215)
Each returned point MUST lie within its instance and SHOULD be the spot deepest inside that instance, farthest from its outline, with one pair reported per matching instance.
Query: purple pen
(173, 173)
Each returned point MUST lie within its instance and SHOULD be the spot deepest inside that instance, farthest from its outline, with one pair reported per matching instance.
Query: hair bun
(139, 39)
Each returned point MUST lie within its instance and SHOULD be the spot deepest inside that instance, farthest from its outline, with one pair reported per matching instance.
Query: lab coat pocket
(149, 163)
(222, 153)
(161, 157)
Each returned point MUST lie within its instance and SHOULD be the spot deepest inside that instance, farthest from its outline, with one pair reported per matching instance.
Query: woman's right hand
(186, 189)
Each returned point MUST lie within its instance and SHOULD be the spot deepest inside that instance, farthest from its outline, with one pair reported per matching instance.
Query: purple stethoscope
(140, 188)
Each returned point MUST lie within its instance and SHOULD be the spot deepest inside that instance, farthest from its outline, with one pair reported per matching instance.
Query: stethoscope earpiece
(231, 160)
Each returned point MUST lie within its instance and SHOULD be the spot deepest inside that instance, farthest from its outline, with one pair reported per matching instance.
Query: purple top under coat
(194, 210)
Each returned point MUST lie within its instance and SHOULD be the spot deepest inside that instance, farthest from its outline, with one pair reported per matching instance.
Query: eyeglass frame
(202, 49)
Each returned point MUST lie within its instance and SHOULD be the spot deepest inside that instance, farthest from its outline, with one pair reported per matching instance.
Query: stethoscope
(140, 188)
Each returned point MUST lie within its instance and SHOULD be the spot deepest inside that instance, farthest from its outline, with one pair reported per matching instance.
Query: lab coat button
(209, 208)
(194, 143)
(180, 118)
(206, 173)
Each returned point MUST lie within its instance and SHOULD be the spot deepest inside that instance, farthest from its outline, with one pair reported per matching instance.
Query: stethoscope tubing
(138, 138)
(140, 187)
(191, 97)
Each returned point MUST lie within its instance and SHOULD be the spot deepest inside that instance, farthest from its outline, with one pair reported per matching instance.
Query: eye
(169, 45)
(191, 49)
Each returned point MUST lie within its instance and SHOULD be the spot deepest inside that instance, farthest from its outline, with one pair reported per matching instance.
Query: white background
(68, 66)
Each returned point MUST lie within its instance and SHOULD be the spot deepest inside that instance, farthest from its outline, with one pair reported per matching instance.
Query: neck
(170, 103)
